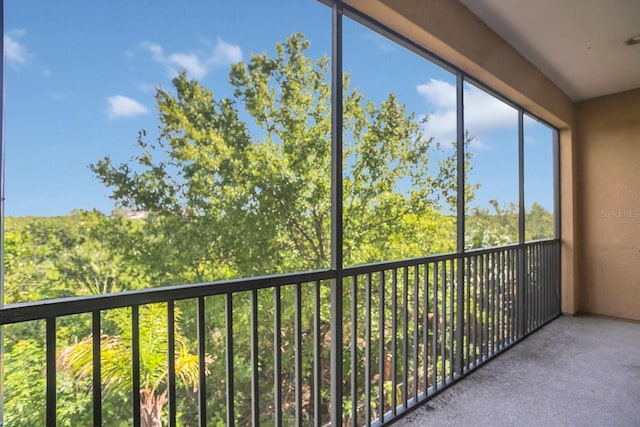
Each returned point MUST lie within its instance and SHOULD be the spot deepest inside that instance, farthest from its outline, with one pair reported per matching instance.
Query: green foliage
(252, 196)
(115, 354)
(485, 228)
(24, 384)
(78, 254)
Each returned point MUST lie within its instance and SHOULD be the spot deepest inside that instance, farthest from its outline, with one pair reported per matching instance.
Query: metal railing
(410, 328)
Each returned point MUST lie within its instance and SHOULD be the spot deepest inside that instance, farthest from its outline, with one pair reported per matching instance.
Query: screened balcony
(417, 194)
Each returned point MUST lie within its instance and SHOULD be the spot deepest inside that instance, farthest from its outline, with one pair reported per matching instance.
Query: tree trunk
(151, 407)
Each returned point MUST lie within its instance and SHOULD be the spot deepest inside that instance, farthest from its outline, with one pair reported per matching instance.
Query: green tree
(538, 223)
(499, 226)
(486, 228)
(240, 186)
(115, 356)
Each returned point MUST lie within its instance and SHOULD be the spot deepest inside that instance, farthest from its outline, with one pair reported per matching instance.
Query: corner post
(336, 217)
(460, 222)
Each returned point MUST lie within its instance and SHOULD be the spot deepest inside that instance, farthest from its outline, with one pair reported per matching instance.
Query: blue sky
(80, 79)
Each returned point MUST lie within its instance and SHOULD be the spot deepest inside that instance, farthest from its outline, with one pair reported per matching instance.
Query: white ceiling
(578, 44)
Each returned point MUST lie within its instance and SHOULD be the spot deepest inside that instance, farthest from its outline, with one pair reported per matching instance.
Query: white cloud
(483, 113)
(16, 53)
(122, 106)
(197, 65)
(190, 62)
(155, 49)
(225, 54)
(441, 94)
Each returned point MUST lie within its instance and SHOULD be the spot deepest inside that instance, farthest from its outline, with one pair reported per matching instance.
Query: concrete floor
(575, 371)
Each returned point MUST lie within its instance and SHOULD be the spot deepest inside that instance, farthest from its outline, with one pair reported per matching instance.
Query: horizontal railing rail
(410, 328)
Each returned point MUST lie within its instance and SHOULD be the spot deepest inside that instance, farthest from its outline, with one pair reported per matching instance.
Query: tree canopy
(244, 182)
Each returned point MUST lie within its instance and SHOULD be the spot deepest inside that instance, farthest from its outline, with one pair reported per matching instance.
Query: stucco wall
(608, 176)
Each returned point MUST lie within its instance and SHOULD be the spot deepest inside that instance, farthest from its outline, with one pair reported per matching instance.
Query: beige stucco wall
(451, 31)
(608, 173)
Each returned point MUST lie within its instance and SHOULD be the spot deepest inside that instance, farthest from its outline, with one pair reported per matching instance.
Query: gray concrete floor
(575, 371)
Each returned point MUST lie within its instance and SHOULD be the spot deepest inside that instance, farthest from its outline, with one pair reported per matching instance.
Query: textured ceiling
(578, 44)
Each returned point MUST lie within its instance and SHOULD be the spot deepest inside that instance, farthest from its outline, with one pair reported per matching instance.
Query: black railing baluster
(202, 367)
(536, 280)
(297, 330)
(484, 289)
(445, 324)
(533, 286)
(509, 287)
(460, 311)
(512, 290)
(506, 300)
(531, 295)
(317, 371)
(547, 262)
(230, 392)
(536, 261)
(171, 361)
(556, 275)
(425, 329)
(381, 349)
(495, 298)
(453, 314)
(468, 302)
(506, 297)
(416, 327)
(493, 301)
(524, 287)
(543, 280)
(277, 356)
(517, 290)
(473, 313)
(479, 307)
(354, 351)
(367, 364)
(512, 297)
(255, 362)
(436, 321)
(554, 309)
(394, 339)
(500, 300)
(96, 332)
(490, 298)
(51, 417)
(531, 315)
(545, 269)
(545, 283)
(405, 335)
(534, 289)
(135, 361)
